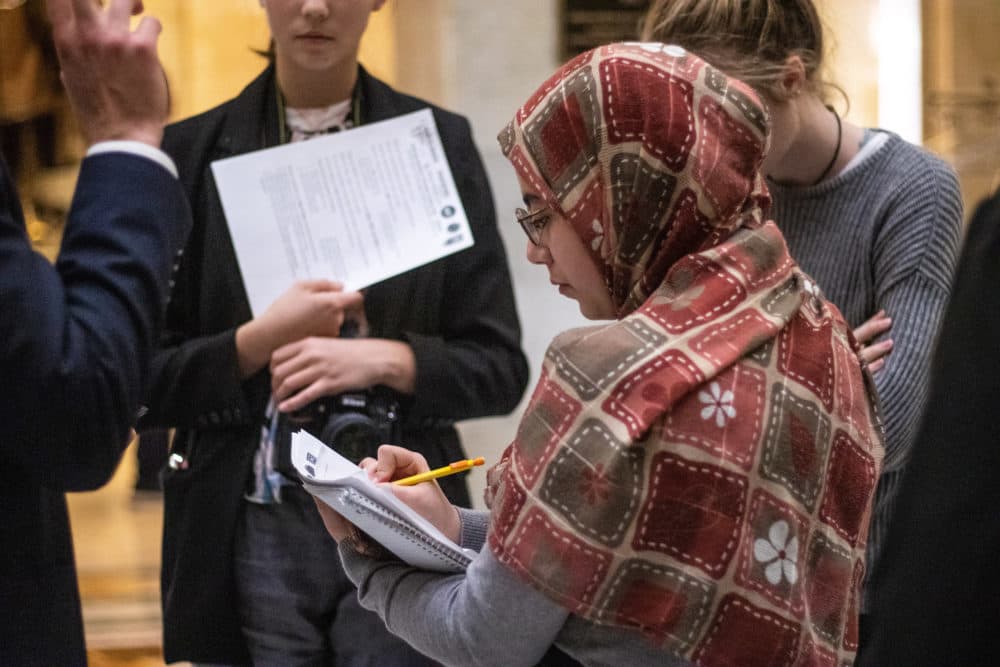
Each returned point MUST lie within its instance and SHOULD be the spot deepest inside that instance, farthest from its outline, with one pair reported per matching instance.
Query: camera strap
(267, 480)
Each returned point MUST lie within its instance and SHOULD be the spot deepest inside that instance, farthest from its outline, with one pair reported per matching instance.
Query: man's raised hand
(112, 73)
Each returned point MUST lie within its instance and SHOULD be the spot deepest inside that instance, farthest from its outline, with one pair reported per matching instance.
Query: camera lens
(354, 436)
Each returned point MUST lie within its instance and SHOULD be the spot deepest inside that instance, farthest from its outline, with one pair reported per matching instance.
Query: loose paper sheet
(357, 207)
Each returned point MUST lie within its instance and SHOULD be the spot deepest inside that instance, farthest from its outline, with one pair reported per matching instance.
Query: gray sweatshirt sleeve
(475, 523)
(485, 616)
(917, 251)
(915, 254)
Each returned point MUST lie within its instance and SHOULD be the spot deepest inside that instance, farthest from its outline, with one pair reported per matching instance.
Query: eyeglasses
(533, 222)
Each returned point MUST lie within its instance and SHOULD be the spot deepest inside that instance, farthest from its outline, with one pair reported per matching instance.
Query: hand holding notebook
(374, 509)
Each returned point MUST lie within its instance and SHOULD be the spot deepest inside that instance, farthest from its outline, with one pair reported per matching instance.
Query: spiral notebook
(346, 488)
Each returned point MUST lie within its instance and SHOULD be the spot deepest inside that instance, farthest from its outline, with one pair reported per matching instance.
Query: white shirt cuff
(136, 148)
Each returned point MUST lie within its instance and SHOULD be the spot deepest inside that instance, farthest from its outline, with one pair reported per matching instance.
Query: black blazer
(457, 314)
(77, 340)
(938, 602)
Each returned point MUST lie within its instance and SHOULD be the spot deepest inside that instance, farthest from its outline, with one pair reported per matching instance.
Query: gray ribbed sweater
(885, 234)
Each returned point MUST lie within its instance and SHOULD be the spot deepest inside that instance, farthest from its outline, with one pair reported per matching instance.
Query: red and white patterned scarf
(702, 469)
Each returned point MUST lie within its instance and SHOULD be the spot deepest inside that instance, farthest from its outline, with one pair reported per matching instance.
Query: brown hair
(748, 39)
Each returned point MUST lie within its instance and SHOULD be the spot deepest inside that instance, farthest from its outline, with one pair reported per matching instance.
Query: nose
(538, 254)
(315, 10)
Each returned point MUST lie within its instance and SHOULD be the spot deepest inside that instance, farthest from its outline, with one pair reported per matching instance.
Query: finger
(60, 13)
(279, 374)
(881, 325)
(149, 29)
(872, 352)
(305, 397)
(293, 404)
(119, 11)
(350, 301)
(872, 329)
(378, 474)
(863, 334)
(336, 303)
(321, 285)
(356, 312)
(85, 10)
(290, 380)
(876, 365)
(369, 465)
(295, 383)
(400, 462)
(873, 318)
(336, 525)
(285, 352)
(166, 83)
(282, 371)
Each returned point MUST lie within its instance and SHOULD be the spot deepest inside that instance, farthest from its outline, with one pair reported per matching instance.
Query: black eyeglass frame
(533, 222)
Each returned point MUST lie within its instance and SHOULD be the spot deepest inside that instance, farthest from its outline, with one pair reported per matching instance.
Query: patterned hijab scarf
(701, 470)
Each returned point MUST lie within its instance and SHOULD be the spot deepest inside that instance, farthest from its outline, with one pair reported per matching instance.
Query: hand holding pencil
(407, 470)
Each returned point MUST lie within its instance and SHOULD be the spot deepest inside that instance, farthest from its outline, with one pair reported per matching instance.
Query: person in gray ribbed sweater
(874, 219)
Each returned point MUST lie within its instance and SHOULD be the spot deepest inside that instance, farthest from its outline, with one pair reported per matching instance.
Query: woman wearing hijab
(691, 481)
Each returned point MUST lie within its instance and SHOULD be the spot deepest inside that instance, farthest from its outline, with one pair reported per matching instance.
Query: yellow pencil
(450, 469)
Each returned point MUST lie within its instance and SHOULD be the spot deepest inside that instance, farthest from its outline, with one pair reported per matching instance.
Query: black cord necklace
(836, 152)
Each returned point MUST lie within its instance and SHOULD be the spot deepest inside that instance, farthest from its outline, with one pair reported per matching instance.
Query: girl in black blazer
(243, 581)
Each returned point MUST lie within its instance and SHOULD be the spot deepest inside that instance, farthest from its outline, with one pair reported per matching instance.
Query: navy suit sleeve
(196, 381)
(78, 336)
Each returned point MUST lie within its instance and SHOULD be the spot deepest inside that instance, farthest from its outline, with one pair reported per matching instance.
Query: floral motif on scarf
(700, 470)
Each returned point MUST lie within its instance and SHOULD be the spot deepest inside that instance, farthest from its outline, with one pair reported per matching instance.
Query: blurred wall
(962, 90)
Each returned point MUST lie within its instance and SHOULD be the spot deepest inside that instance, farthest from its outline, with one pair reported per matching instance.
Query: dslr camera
(353, 424)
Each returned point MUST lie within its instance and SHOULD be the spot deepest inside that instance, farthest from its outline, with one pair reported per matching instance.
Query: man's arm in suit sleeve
(78, 336)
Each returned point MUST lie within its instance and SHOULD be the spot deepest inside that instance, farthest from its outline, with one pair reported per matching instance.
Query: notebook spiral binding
(393, 527)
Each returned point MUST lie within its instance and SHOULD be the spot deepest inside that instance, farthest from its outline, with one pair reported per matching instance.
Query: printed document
(355, 207)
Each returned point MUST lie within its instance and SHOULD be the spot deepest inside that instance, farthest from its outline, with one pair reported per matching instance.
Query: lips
(315, 36)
